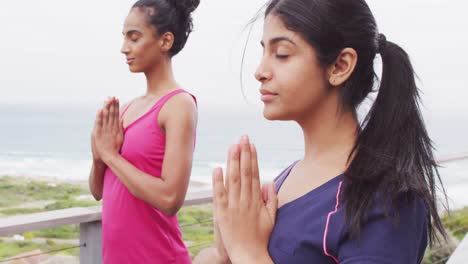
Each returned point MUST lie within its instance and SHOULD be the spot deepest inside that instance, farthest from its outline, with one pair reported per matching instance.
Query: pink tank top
(132, 230)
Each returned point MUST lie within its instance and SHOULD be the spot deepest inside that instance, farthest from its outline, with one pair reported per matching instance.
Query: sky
(68, 52)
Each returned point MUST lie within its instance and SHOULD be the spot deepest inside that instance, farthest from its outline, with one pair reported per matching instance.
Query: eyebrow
(273, 41)
(130, 32)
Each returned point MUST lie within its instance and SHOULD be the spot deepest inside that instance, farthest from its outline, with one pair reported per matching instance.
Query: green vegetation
(456, 225)
(12, 249)
(61, 232)
(197, 227)
(195, 222)
(70, 203)
(39, 196)
(16, 191)
(8, 250)
(457, 222)
(18, 211)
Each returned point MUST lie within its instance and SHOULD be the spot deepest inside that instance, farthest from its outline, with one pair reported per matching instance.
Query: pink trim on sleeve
(328, 222)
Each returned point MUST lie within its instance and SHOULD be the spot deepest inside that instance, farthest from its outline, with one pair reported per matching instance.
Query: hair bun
(185, 6)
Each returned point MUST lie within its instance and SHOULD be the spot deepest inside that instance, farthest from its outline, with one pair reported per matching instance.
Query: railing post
(91, 241)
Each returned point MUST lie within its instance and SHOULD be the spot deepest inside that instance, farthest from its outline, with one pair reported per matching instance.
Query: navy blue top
(312, 229)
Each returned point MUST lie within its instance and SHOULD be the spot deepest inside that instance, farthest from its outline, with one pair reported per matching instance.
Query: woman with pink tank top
(142, 154)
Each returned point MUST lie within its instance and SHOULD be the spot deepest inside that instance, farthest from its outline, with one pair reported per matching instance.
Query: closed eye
(281, 56)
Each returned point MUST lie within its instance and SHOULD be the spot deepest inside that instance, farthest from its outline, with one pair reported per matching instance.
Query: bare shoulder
(181, 106)
(125, 105)
(182, 100)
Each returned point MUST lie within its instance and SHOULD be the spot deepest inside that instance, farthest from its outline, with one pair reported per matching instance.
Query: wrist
(108, 158)
(98, 163)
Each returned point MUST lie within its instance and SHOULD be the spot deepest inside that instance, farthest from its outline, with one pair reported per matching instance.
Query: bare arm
(96, 179)
(166, 193)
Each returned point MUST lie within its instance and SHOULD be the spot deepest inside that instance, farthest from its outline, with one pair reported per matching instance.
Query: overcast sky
(61, 52)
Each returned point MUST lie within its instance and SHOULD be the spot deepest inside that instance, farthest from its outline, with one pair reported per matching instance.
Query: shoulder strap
(125, 108)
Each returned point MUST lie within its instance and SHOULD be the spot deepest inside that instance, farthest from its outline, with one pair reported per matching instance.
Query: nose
(263, 73)
(125, 49)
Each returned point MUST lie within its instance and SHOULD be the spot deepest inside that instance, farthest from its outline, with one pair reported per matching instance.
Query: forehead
(274, 27)
(136, 19)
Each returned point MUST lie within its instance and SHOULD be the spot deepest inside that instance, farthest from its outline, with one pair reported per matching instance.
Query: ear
(166, 41)
(340, 71)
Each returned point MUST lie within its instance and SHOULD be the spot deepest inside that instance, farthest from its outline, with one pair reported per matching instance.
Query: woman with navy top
(364, 192)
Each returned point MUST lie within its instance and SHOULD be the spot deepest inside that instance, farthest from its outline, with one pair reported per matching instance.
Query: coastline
(194, 185)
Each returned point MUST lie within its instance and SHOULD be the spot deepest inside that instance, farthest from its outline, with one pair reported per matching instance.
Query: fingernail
(245, 140)
(235, 151)
(217, 172)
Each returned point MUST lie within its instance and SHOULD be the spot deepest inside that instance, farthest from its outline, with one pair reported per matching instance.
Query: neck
(329, 135)
(160, 78)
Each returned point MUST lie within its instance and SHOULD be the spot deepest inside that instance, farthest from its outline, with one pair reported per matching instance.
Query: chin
(270, 114)
(275, 114)
(134, 69)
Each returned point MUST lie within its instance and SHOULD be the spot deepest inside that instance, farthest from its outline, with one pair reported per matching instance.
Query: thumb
(272, 201)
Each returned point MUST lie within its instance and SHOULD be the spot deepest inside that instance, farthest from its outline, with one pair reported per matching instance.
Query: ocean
(54, 141)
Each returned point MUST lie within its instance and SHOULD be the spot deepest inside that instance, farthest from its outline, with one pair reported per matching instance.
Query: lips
(267, 95)
(130, 60)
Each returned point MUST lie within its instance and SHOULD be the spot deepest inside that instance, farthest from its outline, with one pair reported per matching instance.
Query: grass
(61, 232)
(9, 250)
(456, 225)
(457, 222)
(56, 196)
(195, 221)
(197, 227)
(19, 211)
(69, 203)
(16, 191)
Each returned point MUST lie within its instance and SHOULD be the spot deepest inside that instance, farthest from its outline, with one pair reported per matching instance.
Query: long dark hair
(170, 16)
(392, 158)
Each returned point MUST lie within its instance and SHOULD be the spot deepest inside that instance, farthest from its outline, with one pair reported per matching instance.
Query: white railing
(88, 218)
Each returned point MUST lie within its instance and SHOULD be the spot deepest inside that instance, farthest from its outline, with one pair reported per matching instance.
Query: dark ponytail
(393, 149)
(392, 160)
(170, 16)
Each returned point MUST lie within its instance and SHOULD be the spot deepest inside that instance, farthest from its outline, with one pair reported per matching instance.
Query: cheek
(148, 55)
(302, 86)
(301, 81)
